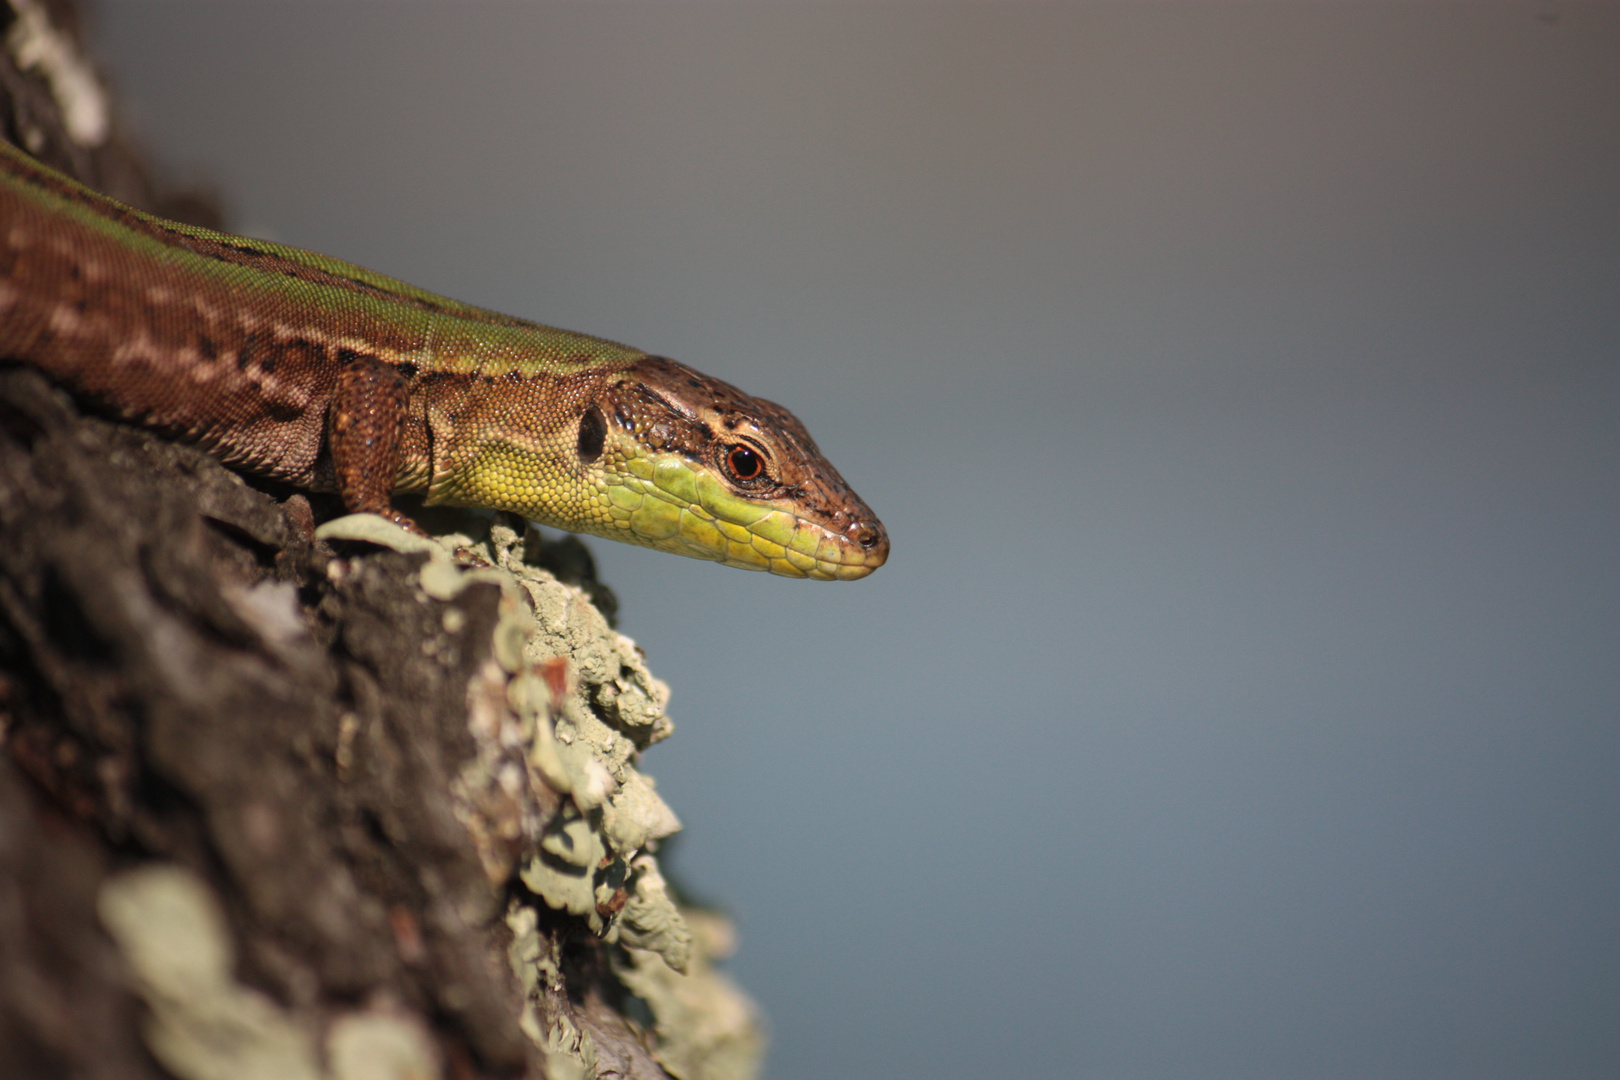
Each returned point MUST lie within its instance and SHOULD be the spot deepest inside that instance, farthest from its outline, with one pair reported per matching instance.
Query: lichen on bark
(410, 787)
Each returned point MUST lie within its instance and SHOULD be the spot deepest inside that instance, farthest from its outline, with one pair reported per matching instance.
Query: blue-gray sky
(1241, 386)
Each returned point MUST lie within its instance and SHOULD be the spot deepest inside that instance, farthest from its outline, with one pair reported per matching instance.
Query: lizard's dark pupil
(744, 463)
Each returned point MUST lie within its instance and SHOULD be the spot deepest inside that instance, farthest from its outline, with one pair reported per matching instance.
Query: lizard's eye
(744, 463)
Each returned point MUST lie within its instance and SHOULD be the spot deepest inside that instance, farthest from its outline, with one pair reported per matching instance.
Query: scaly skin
(319, 373)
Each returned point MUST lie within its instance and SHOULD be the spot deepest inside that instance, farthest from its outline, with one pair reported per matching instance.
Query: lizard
(326, 376)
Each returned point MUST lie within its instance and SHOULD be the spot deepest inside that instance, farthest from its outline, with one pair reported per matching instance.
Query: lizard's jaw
(673, 504)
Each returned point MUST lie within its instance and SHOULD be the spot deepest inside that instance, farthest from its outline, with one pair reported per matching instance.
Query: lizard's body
(313, 371)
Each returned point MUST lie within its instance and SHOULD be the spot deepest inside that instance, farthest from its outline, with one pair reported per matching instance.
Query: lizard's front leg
(363, 430)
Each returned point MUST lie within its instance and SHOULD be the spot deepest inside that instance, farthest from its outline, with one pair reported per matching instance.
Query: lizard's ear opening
(592, 434)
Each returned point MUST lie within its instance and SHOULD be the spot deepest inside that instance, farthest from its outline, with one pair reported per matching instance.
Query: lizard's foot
(472, 557)
(403, 520)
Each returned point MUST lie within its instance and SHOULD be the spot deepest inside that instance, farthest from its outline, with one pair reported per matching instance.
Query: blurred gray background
(1241, 386)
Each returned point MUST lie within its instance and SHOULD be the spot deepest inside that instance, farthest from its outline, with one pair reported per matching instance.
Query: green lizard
(321, 374)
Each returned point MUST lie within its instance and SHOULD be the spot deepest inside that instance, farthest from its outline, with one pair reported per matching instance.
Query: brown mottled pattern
(166, 349)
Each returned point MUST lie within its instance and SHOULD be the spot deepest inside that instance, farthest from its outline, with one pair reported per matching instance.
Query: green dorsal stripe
(385, 315)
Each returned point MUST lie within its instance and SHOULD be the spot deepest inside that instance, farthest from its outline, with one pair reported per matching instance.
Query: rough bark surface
(161, 698)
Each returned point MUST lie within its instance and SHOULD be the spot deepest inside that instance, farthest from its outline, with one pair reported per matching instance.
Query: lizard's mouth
(679, 506)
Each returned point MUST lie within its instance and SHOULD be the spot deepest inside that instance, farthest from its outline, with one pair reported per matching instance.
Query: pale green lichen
(381, 1046)
(705, 1027)
(651, 922)
(554, 797)
(378, 530)
(201, 1024)
(204, 1025)
(569, 1051)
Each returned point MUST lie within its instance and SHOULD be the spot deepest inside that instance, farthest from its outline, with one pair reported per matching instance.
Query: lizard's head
(694, 466)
